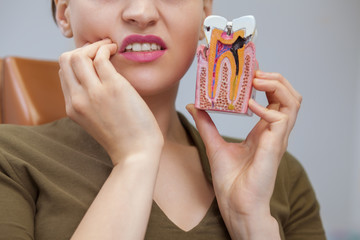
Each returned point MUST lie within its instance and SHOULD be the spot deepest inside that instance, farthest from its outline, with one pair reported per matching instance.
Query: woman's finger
(280, 78)
(77, 71)
(277, 93)
(102, 64)
(270, 114)
(91, 48)
(84, 71)
(83, 66)
(68, 79)
(271, 121)
(72, 90)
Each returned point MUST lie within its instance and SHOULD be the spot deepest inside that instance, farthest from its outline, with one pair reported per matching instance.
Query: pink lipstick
(140, 48)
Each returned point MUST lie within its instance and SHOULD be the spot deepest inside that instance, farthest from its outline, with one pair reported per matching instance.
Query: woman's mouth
(142, 49)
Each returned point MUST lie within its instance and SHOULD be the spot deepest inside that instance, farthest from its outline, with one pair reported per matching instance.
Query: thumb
(207, 129)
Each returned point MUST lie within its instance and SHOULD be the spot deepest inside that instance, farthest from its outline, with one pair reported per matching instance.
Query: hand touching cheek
(105, 104)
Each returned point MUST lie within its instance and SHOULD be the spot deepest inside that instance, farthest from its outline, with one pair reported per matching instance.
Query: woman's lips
(140, 55)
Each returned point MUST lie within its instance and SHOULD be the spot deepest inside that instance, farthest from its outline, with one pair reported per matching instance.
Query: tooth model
(226, 66)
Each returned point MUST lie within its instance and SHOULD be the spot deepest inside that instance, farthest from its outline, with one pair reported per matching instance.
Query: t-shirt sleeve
(304, 221)
(16, 206)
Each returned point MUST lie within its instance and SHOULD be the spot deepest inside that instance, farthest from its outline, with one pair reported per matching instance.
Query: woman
(126, 165)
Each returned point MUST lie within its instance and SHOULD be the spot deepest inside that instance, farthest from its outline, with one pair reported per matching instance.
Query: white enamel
(154, 46)
(212, 22)
(247, 23)
(136, 47)
(143, 47)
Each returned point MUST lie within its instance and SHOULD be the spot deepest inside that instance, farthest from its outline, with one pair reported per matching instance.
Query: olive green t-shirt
(50, 174)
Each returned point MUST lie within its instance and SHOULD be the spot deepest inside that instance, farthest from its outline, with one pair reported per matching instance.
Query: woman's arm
(108, 108)
(122, 208)
(244, 173)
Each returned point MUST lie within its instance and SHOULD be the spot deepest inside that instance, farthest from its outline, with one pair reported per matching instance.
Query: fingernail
(106, 40)
(259, 73)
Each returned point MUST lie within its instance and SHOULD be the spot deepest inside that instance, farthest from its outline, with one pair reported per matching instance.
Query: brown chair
(0, 68)
(30, 91)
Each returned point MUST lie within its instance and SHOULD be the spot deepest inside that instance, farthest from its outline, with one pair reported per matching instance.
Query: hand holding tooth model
(227, 65)
(243, 174)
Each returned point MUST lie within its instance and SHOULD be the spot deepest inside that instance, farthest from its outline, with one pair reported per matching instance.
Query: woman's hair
(53, 9)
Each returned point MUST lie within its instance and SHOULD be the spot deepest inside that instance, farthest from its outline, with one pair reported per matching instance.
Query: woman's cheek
(89, 31)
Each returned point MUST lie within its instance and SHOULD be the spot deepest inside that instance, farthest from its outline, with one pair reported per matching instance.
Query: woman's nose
(141, 13)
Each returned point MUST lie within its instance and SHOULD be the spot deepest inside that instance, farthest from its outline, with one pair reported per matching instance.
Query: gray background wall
(314, 43)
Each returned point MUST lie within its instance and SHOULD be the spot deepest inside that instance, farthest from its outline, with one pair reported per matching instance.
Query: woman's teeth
(142, 47)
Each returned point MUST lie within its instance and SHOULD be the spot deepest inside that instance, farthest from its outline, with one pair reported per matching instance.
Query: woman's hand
(244, 173)
(105, 104)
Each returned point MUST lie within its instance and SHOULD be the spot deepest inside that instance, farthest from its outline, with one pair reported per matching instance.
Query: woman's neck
(163, 108)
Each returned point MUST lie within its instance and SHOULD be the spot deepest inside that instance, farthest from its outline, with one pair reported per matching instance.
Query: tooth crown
(247, 23)
(142, 47)
(226, 66)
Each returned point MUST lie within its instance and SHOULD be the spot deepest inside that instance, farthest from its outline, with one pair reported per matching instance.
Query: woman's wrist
(252, 221)
(138, 153)
(254, 227)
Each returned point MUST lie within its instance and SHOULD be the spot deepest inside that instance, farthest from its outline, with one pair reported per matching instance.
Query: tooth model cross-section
(226, 66)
